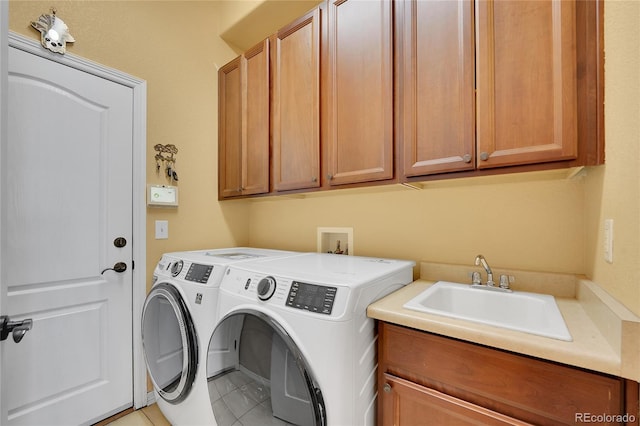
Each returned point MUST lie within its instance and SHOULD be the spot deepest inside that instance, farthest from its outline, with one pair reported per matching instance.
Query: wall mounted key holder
(165, 158)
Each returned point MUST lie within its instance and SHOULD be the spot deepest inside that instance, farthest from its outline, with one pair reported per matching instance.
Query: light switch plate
(608, 240)
(162, 229)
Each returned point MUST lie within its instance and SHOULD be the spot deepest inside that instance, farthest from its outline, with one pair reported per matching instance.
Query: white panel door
(67, 195)
(4, 13)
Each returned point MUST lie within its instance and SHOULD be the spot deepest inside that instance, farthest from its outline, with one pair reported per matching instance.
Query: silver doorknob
(386, 388)
(119, 267)
(18, 328)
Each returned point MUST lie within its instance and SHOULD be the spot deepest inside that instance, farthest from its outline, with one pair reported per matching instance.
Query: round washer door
(248, 349)
(170, 343)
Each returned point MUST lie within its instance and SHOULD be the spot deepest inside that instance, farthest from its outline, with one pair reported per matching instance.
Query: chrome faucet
(476, 280)
(480, 260)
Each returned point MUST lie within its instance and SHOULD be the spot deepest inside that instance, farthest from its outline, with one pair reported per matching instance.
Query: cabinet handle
(314, 179)
(484, 156)
(329, 176)
(387, 388)
(466, 158)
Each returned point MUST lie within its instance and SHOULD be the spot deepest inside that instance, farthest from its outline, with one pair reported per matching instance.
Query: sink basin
(521, 311)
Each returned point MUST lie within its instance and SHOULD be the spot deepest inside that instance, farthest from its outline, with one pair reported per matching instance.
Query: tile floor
(148, 416)
(237, 399)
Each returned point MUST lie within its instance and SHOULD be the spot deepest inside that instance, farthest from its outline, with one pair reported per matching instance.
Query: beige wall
(244, 23)
(613, 191)
(174, 47)
(531, 223)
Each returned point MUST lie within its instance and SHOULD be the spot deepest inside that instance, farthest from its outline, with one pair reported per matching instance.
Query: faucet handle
(504, 281)
(475, 278)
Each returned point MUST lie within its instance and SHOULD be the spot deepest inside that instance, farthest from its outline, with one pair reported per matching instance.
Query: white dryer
(178, 319)
(298, 345)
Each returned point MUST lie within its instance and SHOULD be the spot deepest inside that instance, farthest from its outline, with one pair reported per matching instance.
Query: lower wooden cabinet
(409, 404)
(426, 379)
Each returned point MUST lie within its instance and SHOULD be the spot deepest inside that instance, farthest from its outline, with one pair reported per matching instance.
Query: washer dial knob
(176, 268)
(266, 288)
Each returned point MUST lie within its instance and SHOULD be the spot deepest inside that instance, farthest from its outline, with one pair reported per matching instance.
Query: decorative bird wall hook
(166, 154)
(54, 33)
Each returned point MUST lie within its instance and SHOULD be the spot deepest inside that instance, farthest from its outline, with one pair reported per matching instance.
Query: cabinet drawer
(530, 389)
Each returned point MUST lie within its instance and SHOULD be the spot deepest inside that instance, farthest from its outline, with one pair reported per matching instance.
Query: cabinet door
(230, 129)
(438, 87)
(359, 91)
(295, 120)
(255, 141)
(526, 82)
(243, 127)
(530, 389)
(406, 404)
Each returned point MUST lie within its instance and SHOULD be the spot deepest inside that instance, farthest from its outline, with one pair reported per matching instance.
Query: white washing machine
(294, 345)
(178, 320)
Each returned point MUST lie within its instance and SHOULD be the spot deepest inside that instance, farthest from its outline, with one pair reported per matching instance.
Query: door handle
(19, 328)
(119, 267)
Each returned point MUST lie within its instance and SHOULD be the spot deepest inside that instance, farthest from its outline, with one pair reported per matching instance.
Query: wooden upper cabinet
(255, 143)
(437, 65)
(230, 129)
(295, 120)
(355, 89)
(526, 82)
(358, 79)
(243, 129)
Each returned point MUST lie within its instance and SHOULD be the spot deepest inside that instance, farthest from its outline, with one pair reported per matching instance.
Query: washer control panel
(186, 270)
(199, 273)
(311, 297)
(308, 298)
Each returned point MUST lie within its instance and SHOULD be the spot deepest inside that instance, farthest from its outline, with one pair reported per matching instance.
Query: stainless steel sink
(521, 311)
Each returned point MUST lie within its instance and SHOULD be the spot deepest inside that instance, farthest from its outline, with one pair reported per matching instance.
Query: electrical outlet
(608, 240)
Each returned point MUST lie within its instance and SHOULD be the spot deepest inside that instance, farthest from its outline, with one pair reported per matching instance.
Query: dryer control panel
(311, 297)
(323, 299)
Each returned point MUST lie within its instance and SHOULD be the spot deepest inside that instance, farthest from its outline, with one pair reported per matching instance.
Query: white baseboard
(151, 398)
